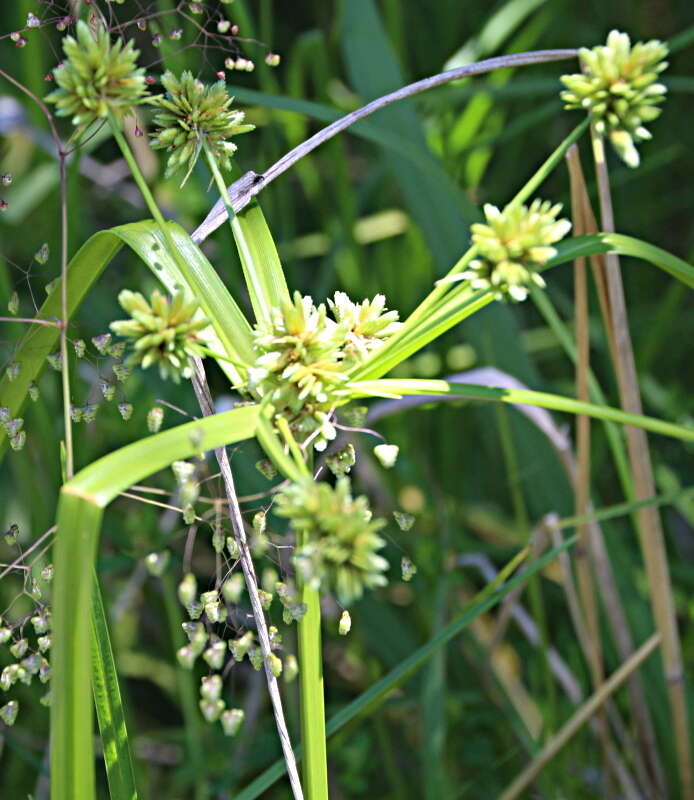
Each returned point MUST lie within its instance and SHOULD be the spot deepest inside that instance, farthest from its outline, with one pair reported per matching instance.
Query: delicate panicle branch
(248, 186)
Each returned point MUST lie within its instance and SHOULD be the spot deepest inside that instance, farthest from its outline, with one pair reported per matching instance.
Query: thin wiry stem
(32, 321)
(248, 186)
(584, 713)
(202, 392)
(62, 156)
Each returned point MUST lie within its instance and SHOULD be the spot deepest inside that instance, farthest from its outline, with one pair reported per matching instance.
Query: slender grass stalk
(586, 589)
(313, 734)
(579, 718)
(651, 533)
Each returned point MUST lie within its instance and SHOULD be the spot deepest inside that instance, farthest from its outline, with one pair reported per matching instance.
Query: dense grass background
(384, 208)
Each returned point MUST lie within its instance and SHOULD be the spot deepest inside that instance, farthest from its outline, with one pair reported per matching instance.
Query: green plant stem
(151, 202)
(65, 316)
(313, 735)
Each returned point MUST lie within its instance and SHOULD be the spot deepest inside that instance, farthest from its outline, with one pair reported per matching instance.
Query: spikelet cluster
(303, 356)
(620, 89)
(162, 332)
(341, 553)
(98, 76)
(193, 114)
(512, 245)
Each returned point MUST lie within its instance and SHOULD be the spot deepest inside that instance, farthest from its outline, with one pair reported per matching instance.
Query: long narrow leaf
(231, 336)
(262, 269)
(593, 244)
(109, 706)
(80, 509)
(398, 388)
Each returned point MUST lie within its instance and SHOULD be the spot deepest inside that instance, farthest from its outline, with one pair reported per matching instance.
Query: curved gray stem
(242, 191)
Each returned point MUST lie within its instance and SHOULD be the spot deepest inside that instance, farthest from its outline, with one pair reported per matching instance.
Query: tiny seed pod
(187, 589)
(408, 569)
(211, 687)
(157, 563)
(275, 664)
(80, 347)
(195, 610)
(42, 255)
(155, 417)
(8, 713)
(231, 721)
(211, 709)
(233, 548)
(403, 520)
(387, 454)
(12, 371)
(265, 599)
(46, 700)
(11, 534)
(266, 468)
(5, 635)
(44, 642)
(13, 304)
(125, 410)
(47, 573)
(291, 668)
(232, 588)
(345, 625)
(19, 648)
(34, 392)
(102, 342)
(55, 360)
(214, 654)
(44, 671)
(255, 656)
(186, 656)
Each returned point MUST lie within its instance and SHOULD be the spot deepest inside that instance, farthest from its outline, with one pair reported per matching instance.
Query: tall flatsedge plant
(295, 365)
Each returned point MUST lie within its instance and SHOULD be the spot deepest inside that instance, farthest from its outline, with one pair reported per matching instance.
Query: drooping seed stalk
(650, 529)
(237, 525)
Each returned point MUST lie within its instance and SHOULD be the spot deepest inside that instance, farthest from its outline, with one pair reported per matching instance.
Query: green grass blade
(454, 309)
(267, 286)
(109, 706)
(397, 388)
(232, 334)
(80, 510)
(594, 244)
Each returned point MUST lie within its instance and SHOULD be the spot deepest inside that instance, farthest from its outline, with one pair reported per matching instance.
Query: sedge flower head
(162, 332)
(303, 358)
(620, 89)
(193, 115)
(341, 553)
(98, 76)
(512, 245)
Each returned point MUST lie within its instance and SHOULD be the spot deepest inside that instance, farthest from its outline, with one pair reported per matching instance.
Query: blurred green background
(385, 208)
